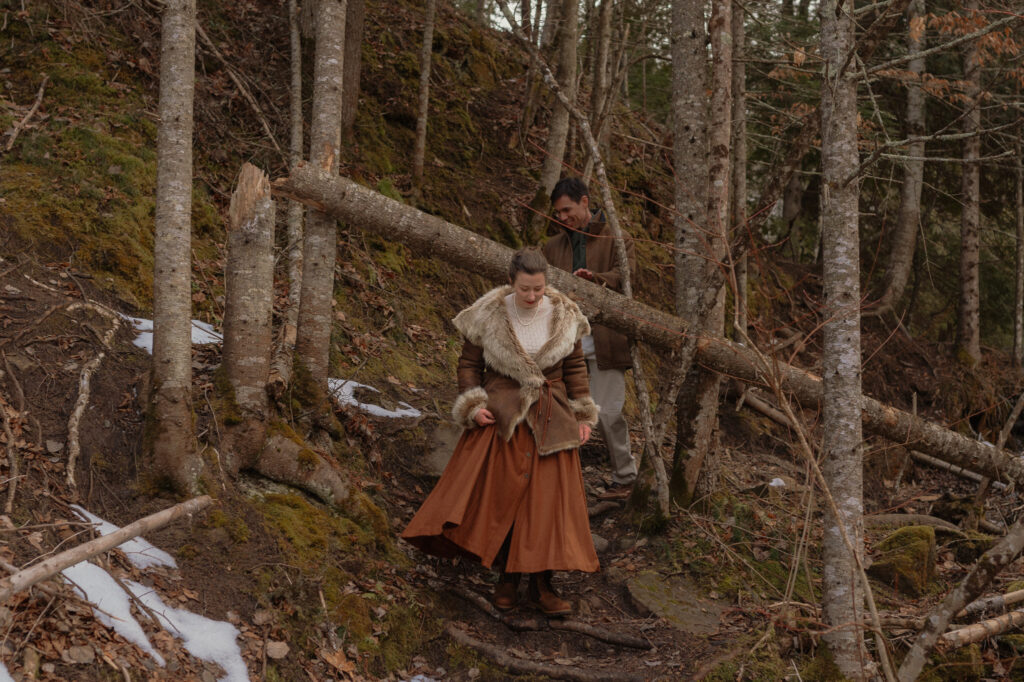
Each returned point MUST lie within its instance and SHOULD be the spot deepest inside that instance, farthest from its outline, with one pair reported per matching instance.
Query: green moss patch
(905, 560)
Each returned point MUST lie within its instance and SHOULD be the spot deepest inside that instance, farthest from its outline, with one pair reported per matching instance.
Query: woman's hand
(585, 432)
(483, 417)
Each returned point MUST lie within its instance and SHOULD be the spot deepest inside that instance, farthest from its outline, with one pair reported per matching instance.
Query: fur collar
(486, 324)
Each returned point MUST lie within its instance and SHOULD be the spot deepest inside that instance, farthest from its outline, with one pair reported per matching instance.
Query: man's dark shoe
(544, 598)
(506, 592)
(616, 491)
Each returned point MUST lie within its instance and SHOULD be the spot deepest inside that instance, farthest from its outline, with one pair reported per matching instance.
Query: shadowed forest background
(758, 153)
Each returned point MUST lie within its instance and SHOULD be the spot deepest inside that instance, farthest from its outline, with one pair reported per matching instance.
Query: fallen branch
(998, 602)
(22, 580)
(12, 458)
(31, 112)
(558, 672)
(602, 507)
(540, 624)
(84, 379)
(1004, 435)
(900, 520)
(762, 406)
(981, 574)
(983, 630)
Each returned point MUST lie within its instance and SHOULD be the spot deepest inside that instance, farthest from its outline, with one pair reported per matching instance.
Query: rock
(968, 549)
(54, 446)
(30, 663)
(600, 544)
(442, 445)
(905, 560)
(277, 650)
(676, 600)
(81, 654)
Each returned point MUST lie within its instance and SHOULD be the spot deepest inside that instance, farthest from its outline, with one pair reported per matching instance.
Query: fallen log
(47, 568)
(429, 235)
(998, 602)
(983, 630)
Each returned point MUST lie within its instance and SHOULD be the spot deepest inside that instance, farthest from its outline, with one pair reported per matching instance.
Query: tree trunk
(313, 343)
(281, 366)
(558, 130)
(599, 93)
(355, 18)
(738, 213)
(430, 236)
(421, 119)
(968, 313)
(552, 24)
(842, 455)
(173, 438)
(904, 238)
(248, 307)
(1018, 308)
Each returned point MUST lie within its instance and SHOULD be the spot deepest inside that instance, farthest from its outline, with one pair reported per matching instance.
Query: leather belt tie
(546, 418)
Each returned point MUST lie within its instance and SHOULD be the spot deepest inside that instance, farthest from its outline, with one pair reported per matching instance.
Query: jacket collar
(486, 324)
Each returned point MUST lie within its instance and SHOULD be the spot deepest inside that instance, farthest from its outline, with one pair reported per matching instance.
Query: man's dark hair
(574, 188)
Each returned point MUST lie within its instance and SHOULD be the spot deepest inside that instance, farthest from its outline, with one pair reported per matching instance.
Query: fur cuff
(585, 409)
(466, 404)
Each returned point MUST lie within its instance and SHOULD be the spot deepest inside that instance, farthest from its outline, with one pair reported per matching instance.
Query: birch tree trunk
(558, 130)
(313, 341)
(249, 288)
(1018, 307)
(291, 312)
(600, 91)
(841, 420)
(248, 313)
(702, 467)
(968, 314)
(355, 18)
(173, 439)
(904, 238)
(738, 214)
(421, 119)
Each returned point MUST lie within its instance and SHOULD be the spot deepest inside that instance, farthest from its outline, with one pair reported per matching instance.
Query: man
(586, 247)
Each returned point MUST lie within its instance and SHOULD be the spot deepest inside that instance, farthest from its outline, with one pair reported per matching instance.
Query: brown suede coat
(550, 391)
(610, 347)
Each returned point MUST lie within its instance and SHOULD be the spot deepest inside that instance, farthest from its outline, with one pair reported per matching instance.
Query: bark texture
(843, 597)
(249, 289)
(904, 238)
(426, 51)
(738, 196)
(313, 341)
(173, 434)
(1018, 306)
(430, 236)
(968, 312)
(355, 19)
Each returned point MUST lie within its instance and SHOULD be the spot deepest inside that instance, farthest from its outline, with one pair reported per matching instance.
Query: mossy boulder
(968, 548)
(905, 560)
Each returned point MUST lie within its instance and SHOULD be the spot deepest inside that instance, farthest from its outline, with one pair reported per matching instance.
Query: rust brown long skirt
(491, 486)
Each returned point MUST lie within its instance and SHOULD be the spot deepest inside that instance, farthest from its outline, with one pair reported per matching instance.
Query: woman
(512, 494)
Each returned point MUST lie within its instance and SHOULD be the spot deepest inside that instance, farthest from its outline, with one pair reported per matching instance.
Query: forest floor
(718, 579)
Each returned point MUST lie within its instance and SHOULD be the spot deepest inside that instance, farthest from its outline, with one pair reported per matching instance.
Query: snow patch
(4, 675)
(777, 483)
(343, 391)
(202, 333)
(95, 585)
(206, 639)
(138, 551)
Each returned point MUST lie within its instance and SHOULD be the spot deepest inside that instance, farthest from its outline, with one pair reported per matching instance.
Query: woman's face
(529, 289)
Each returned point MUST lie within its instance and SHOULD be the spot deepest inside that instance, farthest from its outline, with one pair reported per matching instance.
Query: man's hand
(585, 432)
(584, 273)
(483, 417)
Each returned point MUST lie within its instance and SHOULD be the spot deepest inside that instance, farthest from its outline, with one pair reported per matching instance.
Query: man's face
(572, 214)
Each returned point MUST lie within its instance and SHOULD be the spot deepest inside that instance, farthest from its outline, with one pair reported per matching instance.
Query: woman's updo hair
(529, 260)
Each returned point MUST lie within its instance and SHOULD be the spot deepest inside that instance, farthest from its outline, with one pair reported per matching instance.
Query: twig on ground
(999, 601)
(17, 337)
(12, 460)
(983, 630)
(31, 112)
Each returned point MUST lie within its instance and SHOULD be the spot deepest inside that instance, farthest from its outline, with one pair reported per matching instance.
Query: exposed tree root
(294, 463)
(540, 623)
(84, 379)
(554, 671)
(900, 520)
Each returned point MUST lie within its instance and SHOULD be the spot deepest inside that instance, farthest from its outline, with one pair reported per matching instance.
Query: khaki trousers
(608, 389)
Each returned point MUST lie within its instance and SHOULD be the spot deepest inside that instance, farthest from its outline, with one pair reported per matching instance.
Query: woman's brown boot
(544, 598)
(506, 592)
